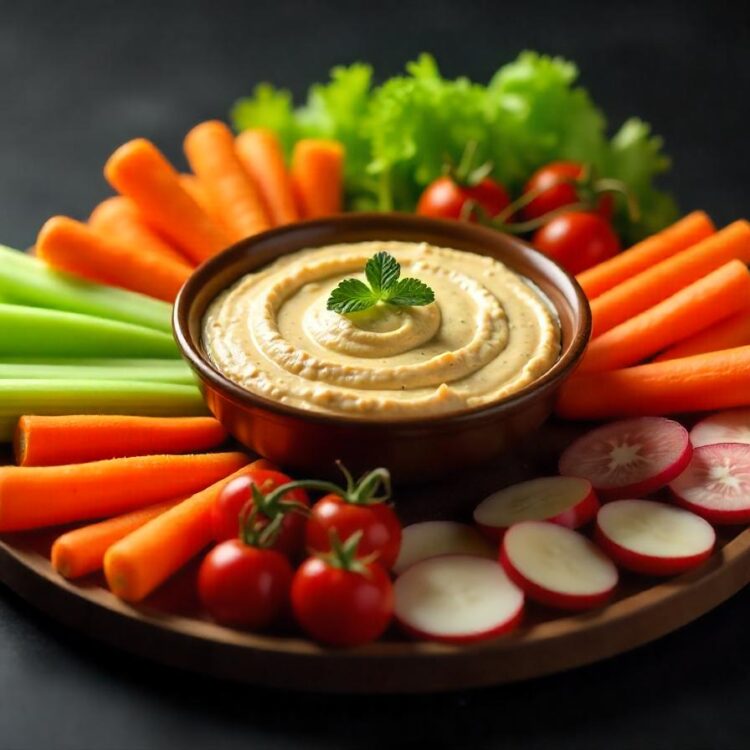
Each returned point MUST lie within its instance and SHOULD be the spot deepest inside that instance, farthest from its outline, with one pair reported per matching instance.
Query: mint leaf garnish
(382, 272)
(351, 295)
(411, 292)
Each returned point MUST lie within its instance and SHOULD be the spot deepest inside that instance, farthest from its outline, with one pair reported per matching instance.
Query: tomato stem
(373, 487)
(343, 555)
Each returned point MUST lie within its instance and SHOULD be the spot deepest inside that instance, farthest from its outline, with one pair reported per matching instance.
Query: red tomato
(577, 241)
(381, 529)
(556, 193)
(445, 198)
(232, 499)
(342, 607)
(244, 586)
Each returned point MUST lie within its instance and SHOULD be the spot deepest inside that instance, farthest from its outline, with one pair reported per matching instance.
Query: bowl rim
(201, 364)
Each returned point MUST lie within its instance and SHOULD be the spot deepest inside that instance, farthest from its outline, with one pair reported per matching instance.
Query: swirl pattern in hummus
(487, 335)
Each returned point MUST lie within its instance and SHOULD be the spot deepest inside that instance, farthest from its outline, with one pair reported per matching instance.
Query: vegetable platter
(169, 628)
(133, 516)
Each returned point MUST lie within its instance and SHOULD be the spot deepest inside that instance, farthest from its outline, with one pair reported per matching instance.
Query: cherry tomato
(556, 193)
(577, 241)
(340, 607)
(244, 586)
(381, 529)
(445, 198)
(232, 499)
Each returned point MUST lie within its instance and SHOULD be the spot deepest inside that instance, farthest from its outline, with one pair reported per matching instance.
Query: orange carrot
(52, 441)
(726, 334)
(118, 217)
(718, 380)
(200, 195)
(260, 152)
(81, 551)
(69, 245)
(694, 308)
(36, 496)
(143, 560)
(679, 236)
(664, 279)
(209, 148)
(139, 170)
(317, 176)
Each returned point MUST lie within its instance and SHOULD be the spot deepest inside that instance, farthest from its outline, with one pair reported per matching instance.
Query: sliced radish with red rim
(568, 501)
(653, 538)
(716, 483)
(420, 541)
(557, 566)
(725, 427)
(457, 599)
(629, 457)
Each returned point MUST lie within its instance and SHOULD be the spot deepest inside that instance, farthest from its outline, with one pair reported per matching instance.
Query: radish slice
(568, 501)
(725, 427)
(630, 457)
(557, 566)
(653, 538)
(420, 541)
(457, 599)
(716, 483)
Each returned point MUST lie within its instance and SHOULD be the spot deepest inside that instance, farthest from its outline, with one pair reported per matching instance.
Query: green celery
(52, 397)
(26, 280)
(38, 332)
(67, 368)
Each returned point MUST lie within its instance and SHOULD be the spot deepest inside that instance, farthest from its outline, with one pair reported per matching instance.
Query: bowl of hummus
(381, 339)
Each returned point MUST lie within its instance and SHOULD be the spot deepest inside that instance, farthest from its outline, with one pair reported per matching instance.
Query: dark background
(79, 78)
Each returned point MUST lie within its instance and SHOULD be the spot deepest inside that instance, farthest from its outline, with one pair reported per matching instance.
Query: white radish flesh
(716, 483)
(557, 566)
(420, 541)
(568, 501)
(725, 427)
(630, 457)
(457, 599)
(653, 538)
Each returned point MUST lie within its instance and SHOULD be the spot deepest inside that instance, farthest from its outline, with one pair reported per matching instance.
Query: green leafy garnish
(382, 272)
(399, 134)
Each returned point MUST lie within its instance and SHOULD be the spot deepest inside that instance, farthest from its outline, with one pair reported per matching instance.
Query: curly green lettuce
(399, 135)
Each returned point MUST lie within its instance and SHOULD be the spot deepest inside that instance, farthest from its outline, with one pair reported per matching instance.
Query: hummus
(489, 333)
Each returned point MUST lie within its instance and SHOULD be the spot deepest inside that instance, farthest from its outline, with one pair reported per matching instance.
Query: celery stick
(39, 332)
(65, 368)
(26, 280)
(51, 397)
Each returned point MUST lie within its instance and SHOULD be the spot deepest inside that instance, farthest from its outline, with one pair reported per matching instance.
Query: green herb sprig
(382, 272)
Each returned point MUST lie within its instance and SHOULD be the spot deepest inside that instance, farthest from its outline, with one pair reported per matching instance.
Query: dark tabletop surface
(79, 78)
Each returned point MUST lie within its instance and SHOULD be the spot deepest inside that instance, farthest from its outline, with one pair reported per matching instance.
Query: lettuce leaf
(399, 135)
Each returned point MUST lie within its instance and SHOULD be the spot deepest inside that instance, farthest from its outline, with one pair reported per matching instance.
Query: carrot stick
(143, 560)
(260, 152)
(647, 288)
(52, 441)
(694, 308)
(118, 218)
(139, 170)
(718, 380)
(679, 236)
(209, 148)
(37, 496)
(71, 246)
(726, 334)
(81, 551)
(317, 176)
(200, 195)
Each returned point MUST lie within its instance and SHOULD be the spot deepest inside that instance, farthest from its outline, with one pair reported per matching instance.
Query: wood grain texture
(170, 628)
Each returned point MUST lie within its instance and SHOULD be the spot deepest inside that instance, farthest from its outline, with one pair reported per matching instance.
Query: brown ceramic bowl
(414, 449)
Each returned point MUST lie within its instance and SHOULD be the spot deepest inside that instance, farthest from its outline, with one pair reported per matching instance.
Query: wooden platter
(170, 628)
